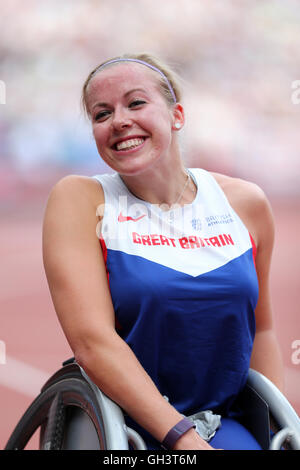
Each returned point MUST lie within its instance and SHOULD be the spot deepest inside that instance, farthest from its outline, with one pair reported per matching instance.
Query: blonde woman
(159, 274)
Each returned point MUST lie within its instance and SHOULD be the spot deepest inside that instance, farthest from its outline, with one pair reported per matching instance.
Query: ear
(178, 117)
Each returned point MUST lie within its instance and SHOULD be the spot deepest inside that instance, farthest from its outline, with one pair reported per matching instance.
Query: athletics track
(35, 345)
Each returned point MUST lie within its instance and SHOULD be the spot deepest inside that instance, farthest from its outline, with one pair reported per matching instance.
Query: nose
(121, 119)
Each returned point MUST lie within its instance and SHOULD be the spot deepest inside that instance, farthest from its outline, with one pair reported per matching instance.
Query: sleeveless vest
(184, 289)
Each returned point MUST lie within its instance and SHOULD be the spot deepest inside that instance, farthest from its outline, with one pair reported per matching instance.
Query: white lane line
(28, 380)
(21, 377)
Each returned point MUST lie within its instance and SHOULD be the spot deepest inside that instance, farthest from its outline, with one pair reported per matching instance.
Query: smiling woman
(170, 304)
(138, 118)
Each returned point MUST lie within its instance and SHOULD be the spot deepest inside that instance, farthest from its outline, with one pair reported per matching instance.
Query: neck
(162, 188)
(163, 180)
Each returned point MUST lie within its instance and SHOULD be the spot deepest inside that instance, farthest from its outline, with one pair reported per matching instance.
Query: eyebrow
(135, 89)
(104, 105)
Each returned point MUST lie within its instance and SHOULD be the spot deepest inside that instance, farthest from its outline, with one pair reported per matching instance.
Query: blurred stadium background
(239, 62)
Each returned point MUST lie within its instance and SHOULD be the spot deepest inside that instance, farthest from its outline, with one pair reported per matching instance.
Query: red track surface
(32, 333)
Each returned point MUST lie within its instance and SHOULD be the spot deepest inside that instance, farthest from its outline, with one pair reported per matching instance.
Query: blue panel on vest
(193, 335)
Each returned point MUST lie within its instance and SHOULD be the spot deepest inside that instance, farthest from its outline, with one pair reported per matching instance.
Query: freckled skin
(153, 119)
(78, 279)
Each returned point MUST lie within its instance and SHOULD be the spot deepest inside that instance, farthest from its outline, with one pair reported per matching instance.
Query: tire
(63, 410)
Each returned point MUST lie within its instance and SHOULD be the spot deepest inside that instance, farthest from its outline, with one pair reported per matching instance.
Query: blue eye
(101, 115)
(136, 103)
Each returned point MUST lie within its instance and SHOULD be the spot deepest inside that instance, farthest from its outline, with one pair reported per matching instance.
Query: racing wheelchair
(72, 413)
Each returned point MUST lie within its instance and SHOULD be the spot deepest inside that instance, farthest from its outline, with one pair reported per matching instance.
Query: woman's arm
(252, 206)
(266, 355)
(78, 284)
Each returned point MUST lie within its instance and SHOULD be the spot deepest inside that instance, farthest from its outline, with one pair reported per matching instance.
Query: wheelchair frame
(73, 413)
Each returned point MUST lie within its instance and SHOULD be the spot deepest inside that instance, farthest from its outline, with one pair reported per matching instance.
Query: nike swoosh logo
(122, 218)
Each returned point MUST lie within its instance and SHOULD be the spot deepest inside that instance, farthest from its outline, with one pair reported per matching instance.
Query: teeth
(126, 144)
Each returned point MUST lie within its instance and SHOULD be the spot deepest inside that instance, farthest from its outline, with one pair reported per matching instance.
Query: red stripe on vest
(254, 250)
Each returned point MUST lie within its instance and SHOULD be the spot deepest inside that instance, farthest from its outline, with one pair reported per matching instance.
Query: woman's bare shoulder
(237, 186)
(78, 187)
(250, 202)
(241, 192)
(74, 202)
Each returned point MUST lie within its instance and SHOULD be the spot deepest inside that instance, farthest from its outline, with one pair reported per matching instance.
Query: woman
(168, 306)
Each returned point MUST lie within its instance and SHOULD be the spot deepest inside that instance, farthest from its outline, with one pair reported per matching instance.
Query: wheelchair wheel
(67, 414)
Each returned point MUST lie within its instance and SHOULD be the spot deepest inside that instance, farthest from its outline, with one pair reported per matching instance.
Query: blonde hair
(153, 61)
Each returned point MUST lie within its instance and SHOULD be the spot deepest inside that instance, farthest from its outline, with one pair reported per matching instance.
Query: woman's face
(132, 123)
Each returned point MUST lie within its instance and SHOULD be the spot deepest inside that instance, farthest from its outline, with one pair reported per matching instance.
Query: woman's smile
(129, 144)
(130, 118)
